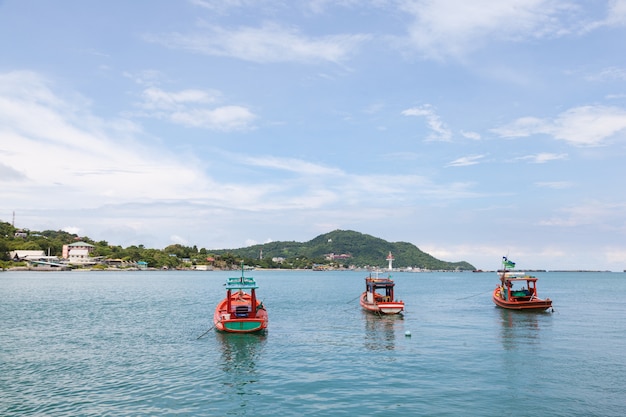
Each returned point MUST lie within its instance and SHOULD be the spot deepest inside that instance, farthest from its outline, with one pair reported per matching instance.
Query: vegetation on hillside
(363, 250)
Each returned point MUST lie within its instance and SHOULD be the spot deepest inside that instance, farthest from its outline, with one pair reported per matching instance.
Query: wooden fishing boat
(518, 290)
(378, 296)
(240, 311)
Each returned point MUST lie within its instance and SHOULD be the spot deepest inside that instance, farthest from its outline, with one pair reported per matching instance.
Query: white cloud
(98, 166)
(72, 229)
(440, 132)
(227, 118)
(557, 185)
(292, 165)
(80, 158)
(609, 74)
(616, 13)
(455, 27)
(145, 77)
(155, 98)
(250, 242)
(179, 240)
(615, 255)
(579, 126)
(183, 107)
(543, 157)
(466, 161)
(607, 216)
(471, 135)
(269, 43)
(223, 5)
(8, 173)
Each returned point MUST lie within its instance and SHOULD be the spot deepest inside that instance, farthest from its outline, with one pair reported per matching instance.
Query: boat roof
(518, 276)
(377, 282)
(241, 283)
(526, 278)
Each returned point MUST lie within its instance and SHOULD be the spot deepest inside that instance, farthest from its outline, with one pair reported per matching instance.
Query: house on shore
(78, 253)
(28, 255)
(37, 259)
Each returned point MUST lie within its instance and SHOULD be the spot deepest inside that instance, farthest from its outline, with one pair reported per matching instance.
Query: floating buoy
(407, 333)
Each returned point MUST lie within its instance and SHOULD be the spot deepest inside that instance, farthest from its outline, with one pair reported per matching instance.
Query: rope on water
(474, 295)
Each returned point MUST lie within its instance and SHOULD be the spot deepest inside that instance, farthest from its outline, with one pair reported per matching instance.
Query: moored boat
(378, 296)
(518, 290)
(240, 311)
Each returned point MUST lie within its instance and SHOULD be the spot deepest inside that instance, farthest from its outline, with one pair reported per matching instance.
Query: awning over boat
(525, 278)
(373, 285)
(241, 283)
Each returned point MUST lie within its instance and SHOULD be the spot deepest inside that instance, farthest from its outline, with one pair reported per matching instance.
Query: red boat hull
(386, 307)
(255, 320)
(531, 304)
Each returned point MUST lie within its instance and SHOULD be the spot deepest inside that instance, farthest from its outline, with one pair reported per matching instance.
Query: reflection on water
(519, 328)
(380, 331)
(239, 355)
(239, 351)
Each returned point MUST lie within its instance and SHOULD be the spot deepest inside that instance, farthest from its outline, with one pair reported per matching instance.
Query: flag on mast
(507, 264)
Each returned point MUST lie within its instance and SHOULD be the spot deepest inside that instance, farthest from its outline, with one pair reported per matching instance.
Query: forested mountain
(364, 250)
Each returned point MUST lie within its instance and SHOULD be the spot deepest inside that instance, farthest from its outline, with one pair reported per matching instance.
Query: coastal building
(27, 255)
(37, 259)
(336, 257)
(78, 252)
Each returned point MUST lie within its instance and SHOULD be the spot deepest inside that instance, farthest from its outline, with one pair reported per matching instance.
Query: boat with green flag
(518, 290)
(240, 311)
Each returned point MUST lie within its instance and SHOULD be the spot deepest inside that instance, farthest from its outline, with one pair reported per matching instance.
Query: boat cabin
(379, 289)
(520, 287)
(239, 304)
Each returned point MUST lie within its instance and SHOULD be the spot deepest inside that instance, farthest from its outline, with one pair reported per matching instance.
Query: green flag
(508, 264)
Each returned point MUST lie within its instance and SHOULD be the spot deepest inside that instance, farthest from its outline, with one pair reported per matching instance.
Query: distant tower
(390, 260)
(261, 254)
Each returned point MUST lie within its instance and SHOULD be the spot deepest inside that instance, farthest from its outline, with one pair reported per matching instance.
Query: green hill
(365, 250)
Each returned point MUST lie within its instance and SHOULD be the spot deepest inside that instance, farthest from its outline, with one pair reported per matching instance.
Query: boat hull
(535, 304)
(241, 325)
(388, 307)
(226, 321)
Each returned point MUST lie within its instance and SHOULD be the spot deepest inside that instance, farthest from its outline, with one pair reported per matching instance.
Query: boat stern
(391, 308)
(244, 325)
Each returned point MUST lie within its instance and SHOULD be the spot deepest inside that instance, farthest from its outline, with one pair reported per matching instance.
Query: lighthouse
(390, 260)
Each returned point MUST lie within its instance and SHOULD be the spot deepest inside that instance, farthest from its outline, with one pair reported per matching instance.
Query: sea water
(127, 344)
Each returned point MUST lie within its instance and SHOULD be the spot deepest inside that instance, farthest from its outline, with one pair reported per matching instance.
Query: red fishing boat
(240, 311)
(518, 290)
(378, 296)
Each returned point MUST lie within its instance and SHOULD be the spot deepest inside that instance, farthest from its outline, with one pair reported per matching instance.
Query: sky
(473, 130)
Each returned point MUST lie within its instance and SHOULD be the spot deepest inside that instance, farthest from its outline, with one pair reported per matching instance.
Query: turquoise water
(126, 344)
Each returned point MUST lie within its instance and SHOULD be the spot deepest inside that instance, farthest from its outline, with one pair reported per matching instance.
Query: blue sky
(470, 129)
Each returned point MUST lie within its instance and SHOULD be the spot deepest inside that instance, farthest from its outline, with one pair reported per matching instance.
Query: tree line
(347, 247)
(174, 256)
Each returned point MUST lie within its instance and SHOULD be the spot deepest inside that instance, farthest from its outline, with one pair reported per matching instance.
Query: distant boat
(240, 311)
(378, 296)
(509, 295)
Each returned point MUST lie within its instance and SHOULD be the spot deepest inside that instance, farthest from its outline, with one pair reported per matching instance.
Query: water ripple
(126, 345)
